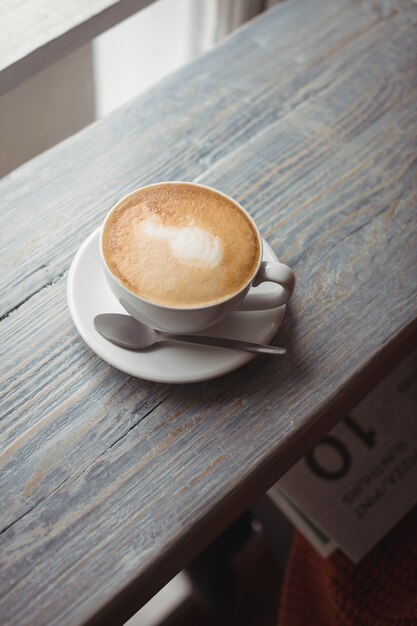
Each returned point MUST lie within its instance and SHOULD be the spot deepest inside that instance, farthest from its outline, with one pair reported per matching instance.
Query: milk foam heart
(191, 245)
(180, 245)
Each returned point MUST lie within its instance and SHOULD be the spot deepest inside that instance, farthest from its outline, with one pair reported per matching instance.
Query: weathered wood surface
(109, 484)
(36, 33)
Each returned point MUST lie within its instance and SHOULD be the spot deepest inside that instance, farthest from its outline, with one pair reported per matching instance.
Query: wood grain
(176, 132)
(112, 484)
(37, 33)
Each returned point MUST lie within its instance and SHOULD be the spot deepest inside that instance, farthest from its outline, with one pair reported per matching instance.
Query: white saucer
(89, 294)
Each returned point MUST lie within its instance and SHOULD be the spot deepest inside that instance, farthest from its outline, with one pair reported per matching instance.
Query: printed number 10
(367, 437)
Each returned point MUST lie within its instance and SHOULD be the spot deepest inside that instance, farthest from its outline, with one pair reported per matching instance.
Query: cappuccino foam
(189, 244)
(181, 246)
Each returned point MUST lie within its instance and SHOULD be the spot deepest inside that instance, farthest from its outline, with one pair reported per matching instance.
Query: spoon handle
(221, 342)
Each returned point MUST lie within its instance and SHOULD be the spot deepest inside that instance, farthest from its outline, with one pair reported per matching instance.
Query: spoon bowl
(125, 331)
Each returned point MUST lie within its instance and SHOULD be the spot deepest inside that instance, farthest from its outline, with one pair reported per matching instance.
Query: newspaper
(324, 544)
(361, 479)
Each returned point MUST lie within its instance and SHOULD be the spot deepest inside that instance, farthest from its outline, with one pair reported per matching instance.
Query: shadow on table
(263, 374)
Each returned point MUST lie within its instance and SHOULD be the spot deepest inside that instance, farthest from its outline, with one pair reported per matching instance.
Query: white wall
(138, 52)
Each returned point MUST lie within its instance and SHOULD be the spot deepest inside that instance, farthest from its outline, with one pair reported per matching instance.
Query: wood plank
(61, 401)
(36, 33)
(176, 131)
(113, 484)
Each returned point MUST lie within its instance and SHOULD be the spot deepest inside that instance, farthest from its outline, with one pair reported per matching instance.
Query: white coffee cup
(188, 320)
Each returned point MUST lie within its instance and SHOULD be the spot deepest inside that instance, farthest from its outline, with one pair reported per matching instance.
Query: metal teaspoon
(126, 332)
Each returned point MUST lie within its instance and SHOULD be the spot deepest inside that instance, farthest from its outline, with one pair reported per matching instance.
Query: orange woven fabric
(380, 591)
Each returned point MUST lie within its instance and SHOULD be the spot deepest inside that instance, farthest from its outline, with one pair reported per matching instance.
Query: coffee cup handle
(274, 272)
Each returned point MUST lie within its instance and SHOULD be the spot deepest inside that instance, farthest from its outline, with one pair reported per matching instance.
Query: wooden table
(109, 484)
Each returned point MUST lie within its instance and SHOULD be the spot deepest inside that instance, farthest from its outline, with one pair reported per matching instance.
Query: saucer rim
(244, 357)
